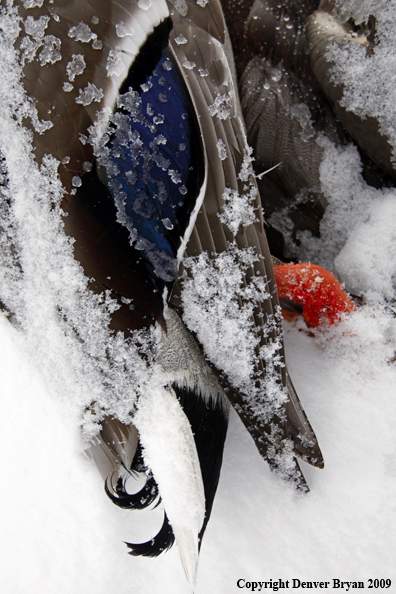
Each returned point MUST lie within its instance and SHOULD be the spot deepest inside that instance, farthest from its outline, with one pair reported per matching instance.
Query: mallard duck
(294, 109)
(137, 100)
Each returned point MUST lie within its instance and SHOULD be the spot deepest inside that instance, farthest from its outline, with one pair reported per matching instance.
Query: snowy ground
(61, 534)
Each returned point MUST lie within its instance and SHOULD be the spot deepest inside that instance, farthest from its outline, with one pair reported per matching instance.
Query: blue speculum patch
(150, 165)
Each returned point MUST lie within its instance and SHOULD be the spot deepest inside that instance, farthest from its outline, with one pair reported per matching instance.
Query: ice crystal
(180, 39)
(115, 65)
(97, 44)
(221, 147)
(36, 27)
(89, 94)
(33, 3)
(237, 209)
(123, 31)
(222, 106)
(51, 51)
(181, 6)
(75, 67)
(82, 32)
(203, 72)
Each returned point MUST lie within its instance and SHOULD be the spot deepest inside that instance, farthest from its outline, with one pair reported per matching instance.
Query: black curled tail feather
(208, 418)
(140, 500)
(161, 543)
(147, 495)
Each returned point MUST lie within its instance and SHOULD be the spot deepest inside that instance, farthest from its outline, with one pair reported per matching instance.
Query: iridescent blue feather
(150, 165)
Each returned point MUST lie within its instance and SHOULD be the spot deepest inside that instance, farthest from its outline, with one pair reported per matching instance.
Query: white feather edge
(128, 48)
(166, 436)
(169, 450)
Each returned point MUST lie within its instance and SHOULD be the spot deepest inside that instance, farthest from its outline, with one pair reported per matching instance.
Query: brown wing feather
(210, 232)
(102, 34)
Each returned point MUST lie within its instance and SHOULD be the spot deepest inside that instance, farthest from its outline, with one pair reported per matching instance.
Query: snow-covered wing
(242, 340)
(76, 55)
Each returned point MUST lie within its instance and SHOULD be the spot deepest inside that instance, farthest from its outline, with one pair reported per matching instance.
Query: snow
(239, 209)
(58, 524)
(66, 333)
(75, 67)
(89, 94)
(360, 73)
(36, 28)
(222, 106)
(366, 265)
(218, 308)
(82, 32)
(122, 30)
(51, 51)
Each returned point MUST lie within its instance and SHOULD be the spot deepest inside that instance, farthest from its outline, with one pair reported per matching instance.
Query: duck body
(162, 205)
